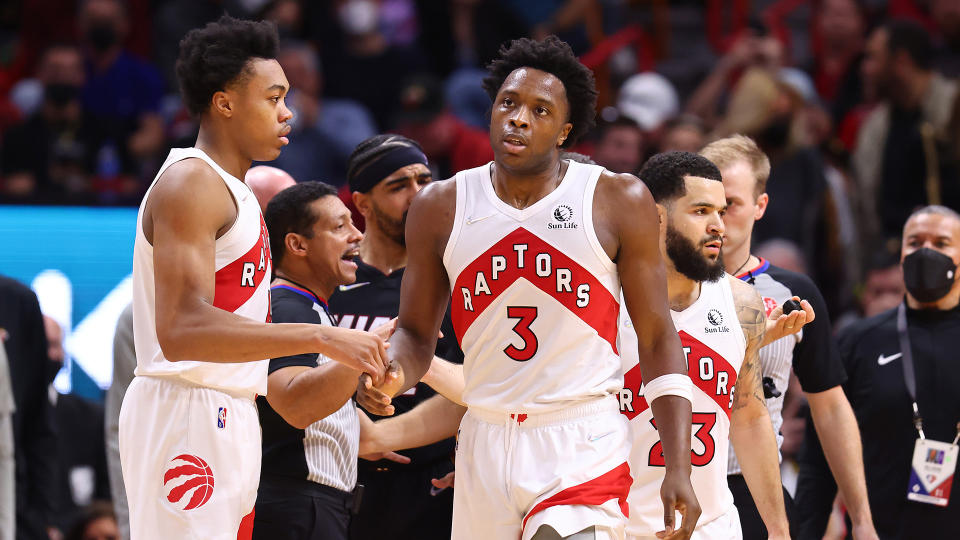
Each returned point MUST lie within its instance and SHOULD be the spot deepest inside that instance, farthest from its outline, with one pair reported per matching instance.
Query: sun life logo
(564, 215)
(715, 317)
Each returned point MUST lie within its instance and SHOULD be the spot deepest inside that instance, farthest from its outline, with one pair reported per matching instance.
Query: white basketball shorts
(567, 469)
(190, 457)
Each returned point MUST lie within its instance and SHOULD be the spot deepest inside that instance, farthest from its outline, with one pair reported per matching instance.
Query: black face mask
(928, 274)
(60, 94)
(102, 37)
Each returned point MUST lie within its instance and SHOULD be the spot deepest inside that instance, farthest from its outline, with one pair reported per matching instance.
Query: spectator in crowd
(97, 522)
(364, 65)
(124, 363)
(812, 353)
(619, 144)
(385, 173)
(172, 20)
(48, 157)
(685, 133)
(265, 182)
(311, 427)
(122, 94)
(34, 428)
(325, 130)
(450, 143)
(882, 360)
(946, 13)
(8, 480)
(898, 162)
(649, 99)
(838, 35)
(82, 452)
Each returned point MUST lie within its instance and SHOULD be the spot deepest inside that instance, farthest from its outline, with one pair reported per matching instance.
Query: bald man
(265, 182)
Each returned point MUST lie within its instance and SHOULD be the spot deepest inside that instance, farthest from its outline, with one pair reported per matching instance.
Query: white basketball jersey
(243, 270)
(713, 346)
(534, 296)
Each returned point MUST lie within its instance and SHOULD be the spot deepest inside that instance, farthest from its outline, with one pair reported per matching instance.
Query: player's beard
(393, 228)
(689, 259)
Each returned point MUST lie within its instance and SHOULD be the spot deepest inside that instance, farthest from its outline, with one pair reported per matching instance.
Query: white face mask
(359, 17)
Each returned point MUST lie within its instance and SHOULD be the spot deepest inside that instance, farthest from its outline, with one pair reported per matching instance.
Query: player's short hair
(218, 55)
(555, 57)
(368, 152)
(730, 150)
(289, 212)
(910, 36)
(664, 174)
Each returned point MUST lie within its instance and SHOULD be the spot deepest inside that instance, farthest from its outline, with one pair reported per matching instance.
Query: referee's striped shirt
(326, 451)
(811, 353)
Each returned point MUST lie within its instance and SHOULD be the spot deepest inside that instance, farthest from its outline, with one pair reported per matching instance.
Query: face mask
(928, 274)
(60, 94)
(102, 37)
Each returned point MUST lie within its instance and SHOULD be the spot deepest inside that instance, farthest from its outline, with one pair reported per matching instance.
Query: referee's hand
(372, 398)
(362, 351)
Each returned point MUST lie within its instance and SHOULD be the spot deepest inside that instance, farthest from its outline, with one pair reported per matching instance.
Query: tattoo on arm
(753, 320)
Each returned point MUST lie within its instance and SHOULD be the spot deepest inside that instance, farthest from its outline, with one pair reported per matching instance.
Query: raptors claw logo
(195, 475)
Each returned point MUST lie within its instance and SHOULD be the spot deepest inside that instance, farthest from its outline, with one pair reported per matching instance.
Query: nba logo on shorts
(222, 418)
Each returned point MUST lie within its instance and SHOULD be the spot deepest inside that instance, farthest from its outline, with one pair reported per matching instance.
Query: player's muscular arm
(751, 430)
(624, 216)
(187, 209)
(302, 395)
(426, 289)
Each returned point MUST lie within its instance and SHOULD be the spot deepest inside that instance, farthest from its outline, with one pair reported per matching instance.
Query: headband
(371, 174)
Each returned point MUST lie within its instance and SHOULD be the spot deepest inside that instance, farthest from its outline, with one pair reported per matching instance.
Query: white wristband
(672, 384)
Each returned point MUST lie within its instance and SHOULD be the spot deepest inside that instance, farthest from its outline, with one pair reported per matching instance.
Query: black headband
(371, 174)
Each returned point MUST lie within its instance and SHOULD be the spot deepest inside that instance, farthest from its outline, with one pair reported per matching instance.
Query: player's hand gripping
(677, 495)
(363, 351)
(780, 325)
(377, 399)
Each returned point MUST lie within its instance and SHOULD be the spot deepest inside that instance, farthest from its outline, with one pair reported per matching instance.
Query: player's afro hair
(289, 212)
(664, 174)
(555, 57)
(213, 57)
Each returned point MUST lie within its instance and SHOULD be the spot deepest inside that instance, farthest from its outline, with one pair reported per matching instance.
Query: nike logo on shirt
(345, 288)
(472, 220)
(884, 360)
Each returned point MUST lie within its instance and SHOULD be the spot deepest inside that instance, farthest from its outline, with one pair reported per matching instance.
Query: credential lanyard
(909, 375)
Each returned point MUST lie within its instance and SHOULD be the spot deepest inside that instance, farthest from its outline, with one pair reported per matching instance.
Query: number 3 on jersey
(706, 421)
(526, 316)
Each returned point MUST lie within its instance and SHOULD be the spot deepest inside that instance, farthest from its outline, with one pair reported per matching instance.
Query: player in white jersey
(189, 432)
(535, 269)
(721, 323)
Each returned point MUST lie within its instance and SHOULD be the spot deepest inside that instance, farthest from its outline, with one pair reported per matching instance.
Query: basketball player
(535, 250)
(189, 432)
(812, 353)
(721, 323)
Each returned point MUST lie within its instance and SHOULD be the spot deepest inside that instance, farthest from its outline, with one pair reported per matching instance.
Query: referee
(811, 353)
(903, 358)
(310, 424)
(385, 172)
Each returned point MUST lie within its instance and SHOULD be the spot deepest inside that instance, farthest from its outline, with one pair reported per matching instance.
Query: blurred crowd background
(855, 102)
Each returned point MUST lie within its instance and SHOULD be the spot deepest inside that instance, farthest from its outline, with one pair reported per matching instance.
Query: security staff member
(399, 501)
(918, 342)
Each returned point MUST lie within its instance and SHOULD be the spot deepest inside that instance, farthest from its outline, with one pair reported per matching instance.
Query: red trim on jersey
(600, 313)
(245, 532)
(612, 485)
(230, 293)
(632, 379)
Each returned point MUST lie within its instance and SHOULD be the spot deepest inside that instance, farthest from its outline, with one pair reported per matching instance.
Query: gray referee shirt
(812, 353)
(326, 451)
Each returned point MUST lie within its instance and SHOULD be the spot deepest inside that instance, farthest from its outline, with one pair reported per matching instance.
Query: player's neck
(222, 151)
(304, 279)
(382, 253)
(522, 190)
(682, 291)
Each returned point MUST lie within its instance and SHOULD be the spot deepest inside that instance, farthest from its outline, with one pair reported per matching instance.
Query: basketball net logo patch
(188, 475)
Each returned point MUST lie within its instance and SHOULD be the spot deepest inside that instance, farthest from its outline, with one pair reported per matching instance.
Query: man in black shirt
(385, 172)
(871, 350)
(311, 427)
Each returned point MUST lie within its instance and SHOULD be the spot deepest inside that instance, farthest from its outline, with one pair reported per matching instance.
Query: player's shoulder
(743, 293)
(437, 194)
(191, 189)
(624, 183)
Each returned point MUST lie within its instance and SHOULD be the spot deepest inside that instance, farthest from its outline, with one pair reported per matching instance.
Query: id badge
(932, 474)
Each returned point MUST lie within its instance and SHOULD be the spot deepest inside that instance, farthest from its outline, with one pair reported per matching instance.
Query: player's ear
(362, 202)
(295, 244)
(564, 133)
(762, 201)
(221, 104)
